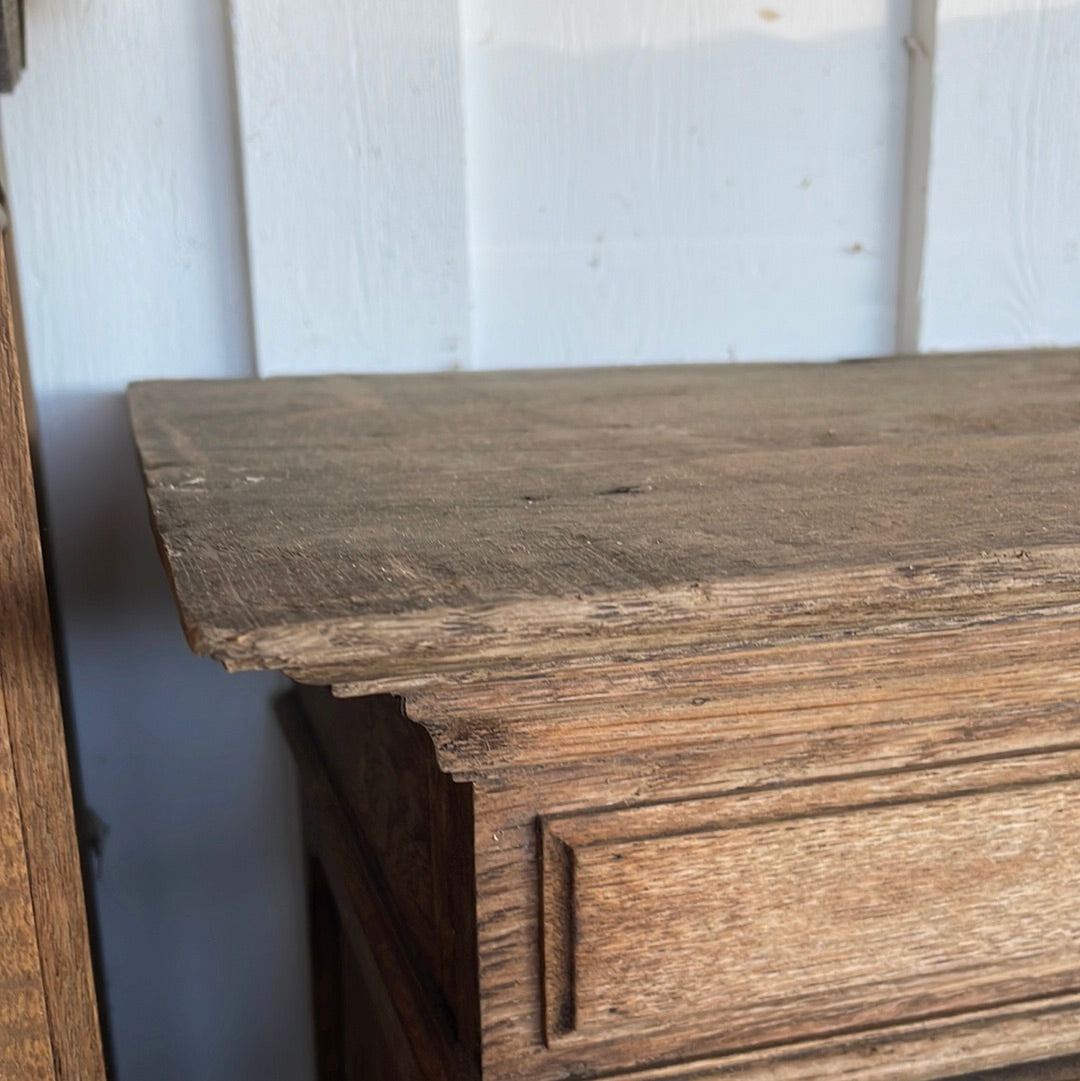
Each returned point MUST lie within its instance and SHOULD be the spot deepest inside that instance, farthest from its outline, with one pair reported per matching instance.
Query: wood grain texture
(327, 526)
(419, 843)
(946, 895)
(44, 831)
(1052, 1070)
(913, 1053)
(668, 962)
(932, 682)
(783, 661)
(408, 918)
(770, 917)
(25, 1043)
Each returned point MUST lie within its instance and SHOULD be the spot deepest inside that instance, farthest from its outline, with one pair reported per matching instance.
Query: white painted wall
(1002, 249)
(363, 185)
(128, 227)
(350, 114)
(690, 180)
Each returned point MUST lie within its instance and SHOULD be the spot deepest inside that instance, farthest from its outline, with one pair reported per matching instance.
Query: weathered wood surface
(45, 963)
(759, 688)
(779, 914)
(421, 843)
(896, 925)
(403, 529)
(1052, 1070)
(901, 962)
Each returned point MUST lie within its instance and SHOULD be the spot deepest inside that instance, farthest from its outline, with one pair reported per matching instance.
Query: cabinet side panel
(416, 825)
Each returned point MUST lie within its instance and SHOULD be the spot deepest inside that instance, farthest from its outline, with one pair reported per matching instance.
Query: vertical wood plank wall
(219, 187)
(681, 181)
(353, 156)
(641, 180)
(1001, 263)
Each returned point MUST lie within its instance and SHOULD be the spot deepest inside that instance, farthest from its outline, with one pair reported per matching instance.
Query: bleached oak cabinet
(662, 723)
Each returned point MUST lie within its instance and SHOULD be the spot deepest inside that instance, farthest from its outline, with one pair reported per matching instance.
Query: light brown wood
(48, 958)
(398, 531)
(631, 957)
(931, 866)
(25, 1045)
(691, 722)
(774, 916)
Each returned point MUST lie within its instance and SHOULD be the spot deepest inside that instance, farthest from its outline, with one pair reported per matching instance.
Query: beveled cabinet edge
(507, 714)
(426, 653)
(561, 836)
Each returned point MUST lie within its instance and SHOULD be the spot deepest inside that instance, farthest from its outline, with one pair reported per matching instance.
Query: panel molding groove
(933, 876)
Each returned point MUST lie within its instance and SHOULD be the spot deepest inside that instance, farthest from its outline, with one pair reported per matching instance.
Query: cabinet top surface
(317, 524)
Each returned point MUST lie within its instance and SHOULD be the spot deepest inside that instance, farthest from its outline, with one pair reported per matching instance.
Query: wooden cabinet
(49, 1027)
(662, 724)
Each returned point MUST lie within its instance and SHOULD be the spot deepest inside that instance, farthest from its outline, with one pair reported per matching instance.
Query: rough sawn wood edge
(428, 661)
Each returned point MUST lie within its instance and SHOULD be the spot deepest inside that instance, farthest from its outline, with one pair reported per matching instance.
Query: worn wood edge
(531, 718)
(401, 652)
(334, 840)
(432, 658)
(138, 388)
(952, 1046)
(39, 753)
(405, 652)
